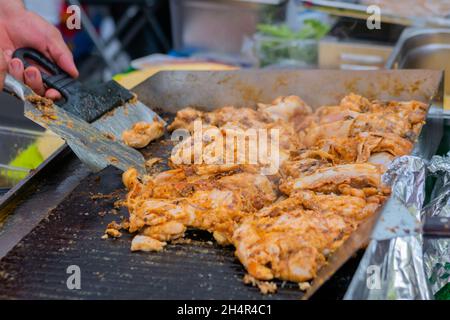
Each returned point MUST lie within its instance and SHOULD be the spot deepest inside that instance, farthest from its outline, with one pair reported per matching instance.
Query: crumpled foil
(406, 176)
(393, 268)
(437, 251)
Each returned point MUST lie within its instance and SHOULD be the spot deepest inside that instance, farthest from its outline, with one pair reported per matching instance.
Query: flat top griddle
(71, 235)
(59, 201)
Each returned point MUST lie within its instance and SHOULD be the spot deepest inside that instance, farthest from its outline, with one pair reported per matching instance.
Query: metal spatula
(88, 143)
(90, 118)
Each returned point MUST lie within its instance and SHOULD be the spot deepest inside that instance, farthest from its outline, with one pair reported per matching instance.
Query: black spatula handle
(56, 78)
(89, 102)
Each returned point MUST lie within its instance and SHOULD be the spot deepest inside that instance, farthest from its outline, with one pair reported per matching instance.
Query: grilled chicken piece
(283, 108)
(373, 143)
(180, 182)
(404, 119)
(381, 122)
(185, 119)
(286, 109)
(300, 167)
(412, 111)
(349, 108)
(351, 208)
(312, 135)
(356, 114)
(144, 243)
(330, 179)
(340, 150)
(291, 239)
(216, 205)
(355, 103)
(289, 245)
(142, 133)
(359, 148)
(231, 147)
(376, 148)
(241, 117)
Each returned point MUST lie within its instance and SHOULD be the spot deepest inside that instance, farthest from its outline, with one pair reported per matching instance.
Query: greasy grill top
(71, 235)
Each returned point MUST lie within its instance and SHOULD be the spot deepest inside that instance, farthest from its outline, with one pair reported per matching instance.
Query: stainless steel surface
(219, 25)
(437, 113)
(423, 48)
(172, 91)
(124, 117)
(13, 86)
(88, 143)
(355, 9)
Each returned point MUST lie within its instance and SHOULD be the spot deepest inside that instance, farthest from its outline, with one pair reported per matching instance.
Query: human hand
(20, 28)
(3, 69)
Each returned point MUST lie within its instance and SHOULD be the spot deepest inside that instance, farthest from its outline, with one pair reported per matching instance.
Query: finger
(33, 79)
(53, 94)
(61, 54)
(8, 54)
(15, 68)
(3, 69)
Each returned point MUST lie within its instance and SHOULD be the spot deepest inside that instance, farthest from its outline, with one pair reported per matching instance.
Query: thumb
(3, 69)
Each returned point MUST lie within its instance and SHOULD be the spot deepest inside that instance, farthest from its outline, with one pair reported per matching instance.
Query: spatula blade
(89, 144)
(124, 117)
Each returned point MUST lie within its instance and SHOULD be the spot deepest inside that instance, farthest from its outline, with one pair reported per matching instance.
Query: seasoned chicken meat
(163, 207)
(284, 225)
(289, 245)
(142, 133)
(291, 238)
(330, 179)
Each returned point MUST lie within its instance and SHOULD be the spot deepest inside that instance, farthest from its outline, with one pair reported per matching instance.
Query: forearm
(10, 8)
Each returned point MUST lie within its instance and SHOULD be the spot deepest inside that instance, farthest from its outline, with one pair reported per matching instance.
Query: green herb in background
(311, 29)
(279, 43)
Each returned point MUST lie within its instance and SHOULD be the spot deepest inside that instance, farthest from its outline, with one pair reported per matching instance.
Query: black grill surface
(71, 235)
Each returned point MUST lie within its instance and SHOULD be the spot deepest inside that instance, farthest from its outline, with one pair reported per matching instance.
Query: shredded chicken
(144, 243)
(265, 287)
(163, 208)
(142, 133)
(283, 225)
(330, 179)
(152, 161)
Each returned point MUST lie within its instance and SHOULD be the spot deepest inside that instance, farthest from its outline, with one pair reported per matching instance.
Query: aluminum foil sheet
(392, 266)
(437, 251)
